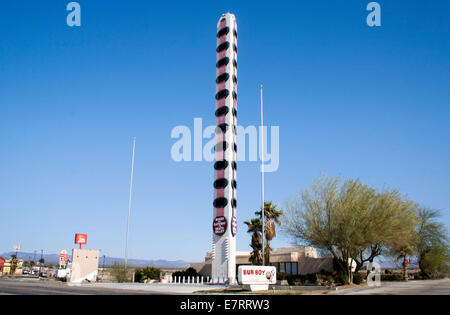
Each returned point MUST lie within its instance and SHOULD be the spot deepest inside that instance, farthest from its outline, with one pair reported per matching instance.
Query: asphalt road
(14, 287)
(428, 287)
(27, 287)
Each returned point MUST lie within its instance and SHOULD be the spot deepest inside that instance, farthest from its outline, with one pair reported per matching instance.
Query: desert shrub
(121, 272)
(295, 280)
(190, 272)
(359, 277)
(282, 276)
(392, 277)
(324, 279)
(302, 279)
(149, 272)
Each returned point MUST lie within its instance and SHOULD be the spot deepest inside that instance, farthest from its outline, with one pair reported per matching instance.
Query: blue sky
(350, 100)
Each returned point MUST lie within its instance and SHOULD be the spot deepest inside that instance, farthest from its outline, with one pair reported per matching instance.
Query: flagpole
(262, 176)
(129, 200)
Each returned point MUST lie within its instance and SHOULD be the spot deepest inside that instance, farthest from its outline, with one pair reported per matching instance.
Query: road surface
(427, 287)
(14, 287)
(27, 287)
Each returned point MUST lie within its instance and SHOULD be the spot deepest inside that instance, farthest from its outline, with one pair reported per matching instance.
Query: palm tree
(13, 264)
(404, 253)
(255, 227)
(402, 248)
(272, 216)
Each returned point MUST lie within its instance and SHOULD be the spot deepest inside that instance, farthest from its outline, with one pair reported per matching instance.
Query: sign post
(17, 250)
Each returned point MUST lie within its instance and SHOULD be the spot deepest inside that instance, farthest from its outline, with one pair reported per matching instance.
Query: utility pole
(129, 201)
(40, 261)
(103, 269)
(17, 249)
(262, 177)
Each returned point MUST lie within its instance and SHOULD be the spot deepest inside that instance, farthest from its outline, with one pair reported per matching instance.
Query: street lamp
(262, 175)
(129, 201)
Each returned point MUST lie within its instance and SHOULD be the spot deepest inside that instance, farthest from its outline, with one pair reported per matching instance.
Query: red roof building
(2, 263)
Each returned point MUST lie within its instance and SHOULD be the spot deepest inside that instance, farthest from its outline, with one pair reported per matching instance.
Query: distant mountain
(385, 262)
(159, 263)
(389, 263)
(108, 261)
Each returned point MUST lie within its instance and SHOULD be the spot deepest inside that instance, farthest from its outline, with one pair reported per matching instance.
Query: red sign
(81, 239)
(257, 275)
(63, 257)
(220, 225)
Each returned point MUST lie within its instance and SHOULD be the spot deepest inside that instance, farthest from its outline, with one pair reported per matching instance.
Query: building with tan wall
(6, 269)
(290, 260)
(84, 265)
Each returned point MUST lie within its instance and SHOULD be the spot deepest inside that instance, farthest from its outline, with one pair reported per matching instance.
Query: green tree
(150, 273)
(431, 244)
(349, 220)
(384, 218)
(435, 263)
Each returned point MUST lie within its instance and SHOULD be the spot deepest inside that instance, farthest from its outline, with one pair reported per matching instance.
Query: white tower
(225, 224)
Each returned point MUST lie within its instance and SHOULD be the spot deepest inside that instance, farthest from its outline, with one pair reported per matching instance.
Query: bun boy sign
(258, 277)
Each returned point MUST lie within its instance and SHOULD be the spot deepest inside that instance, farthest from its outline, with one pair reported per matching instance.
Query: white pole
(129, 200)
(262, 176)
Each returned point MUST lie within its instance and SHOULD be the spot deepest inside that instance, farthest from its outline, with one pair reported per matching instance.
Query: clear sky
(350, 100)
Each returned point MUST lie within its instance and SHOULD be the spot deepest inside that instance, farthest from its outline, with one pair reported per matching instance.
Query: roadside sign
(81, 239)
(62, 257)
(257, 275)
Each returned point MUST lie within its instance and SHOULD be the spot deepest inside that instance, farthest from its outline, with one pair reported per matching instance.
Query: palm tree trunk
(406, 262)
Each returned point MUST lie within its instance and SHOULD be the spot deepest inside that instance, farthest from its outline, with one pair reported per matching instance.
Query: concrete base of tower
(224, 259)
(224, 280)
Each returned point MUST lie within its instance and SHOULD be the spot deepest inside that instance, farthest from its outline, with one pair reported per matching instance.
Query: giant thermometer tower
(225, 224)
